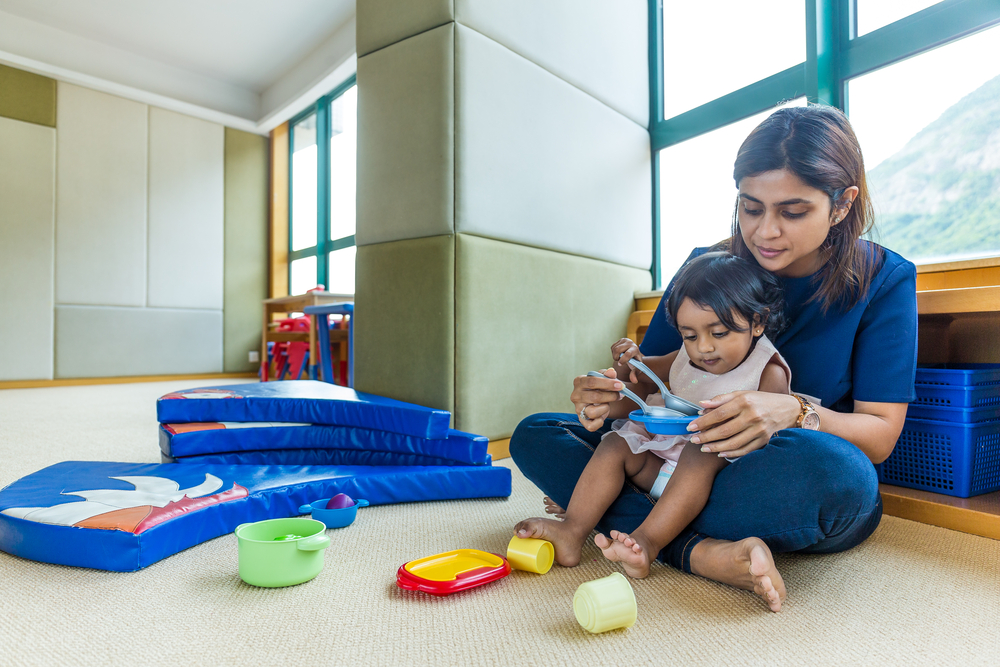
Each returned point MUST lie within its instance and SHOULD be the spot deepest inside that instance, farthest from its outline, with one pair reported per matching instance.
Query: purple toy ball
(340, 501)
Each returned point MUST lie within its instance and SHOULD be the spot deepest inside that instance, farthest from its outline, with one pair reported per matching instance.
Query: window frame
(834, 56)
(324, 244)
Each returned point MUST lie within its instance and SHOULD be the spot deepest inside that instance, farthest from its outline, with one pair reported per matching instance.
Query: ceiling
(233, 57)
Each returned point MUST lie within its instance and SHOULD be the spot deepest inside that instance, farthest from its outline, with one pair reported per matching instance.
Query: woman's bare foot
(629, 550)
(567, 539)
(746, 564)
(552, 508)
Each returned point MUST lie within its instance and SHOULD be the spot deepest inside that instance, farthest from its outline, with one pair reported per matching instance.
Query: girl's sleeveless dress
(694, 384)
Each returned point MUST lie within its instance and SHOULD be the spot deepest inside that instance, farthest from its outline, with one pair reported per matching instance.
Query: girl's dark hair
(730, 285)
(817, 144)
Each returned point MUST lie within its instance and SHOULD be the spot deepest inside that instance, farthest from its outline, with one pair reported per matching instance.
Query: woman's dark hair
(728, 284)
(817, 144)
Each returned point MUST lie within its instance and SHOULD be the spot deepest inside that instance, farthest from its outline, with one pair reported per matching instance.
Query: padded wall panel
(598, 46)
(542, 163)
(28, 97)
(527, 322)
(27, 227)
(101, 342)
(406, 144)
(405, 311)
(186, 195)
(384, 22)
(100, 199)
(245, 277)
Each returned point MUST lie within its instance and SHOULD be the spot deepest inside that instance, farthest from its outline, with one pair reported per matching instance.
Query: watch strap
(807, 407)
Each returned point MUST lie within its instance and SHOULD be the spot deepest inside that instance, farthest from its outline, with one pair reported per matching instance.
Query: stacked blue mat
(305, 422)
(240, 454)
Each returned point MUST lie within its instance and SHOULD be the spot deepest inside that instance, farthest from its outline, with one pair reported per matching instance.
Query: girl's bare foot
(567, 539)
(746, 564)
(628, 550)
(552, 508)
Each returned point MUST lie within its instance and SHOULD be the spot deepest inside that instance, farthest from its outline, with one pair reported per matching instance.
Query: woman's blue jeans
(804, 491)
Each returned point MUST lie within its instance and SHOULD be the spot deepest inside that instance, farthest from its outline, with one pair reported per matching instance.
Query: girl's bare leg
(601, 482)
(683, 499)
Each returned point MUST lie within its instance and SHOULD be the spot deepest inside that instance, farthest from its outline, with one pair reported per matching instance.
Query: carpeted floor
(911, 595)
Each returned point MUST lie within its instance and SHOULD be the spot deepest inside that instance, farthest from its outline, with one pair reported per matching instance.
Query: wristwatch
(809, 418)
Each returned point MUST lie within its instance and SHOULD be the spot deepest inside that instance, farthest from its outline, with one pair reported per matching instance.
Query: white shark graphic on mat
(148, 492)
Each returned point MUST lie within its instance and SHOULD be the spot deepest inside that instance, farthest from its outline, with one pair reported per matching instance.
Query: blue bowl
(661, 425)
(336, 518)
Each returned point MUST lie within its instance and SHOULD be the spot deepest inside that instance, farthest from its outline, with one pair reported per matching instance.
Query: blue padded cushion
(318, 457)
(195, 439)
(125, 516)
(302, 401)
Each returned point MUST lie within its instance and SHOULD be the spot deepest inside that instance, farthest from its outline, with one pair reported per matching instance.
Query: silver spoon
(673, 402)
(650, 410)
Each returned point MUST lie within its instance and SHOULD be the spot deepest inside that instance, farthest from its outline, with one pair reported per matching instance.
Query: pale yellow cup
(605, 604)
(530, 554)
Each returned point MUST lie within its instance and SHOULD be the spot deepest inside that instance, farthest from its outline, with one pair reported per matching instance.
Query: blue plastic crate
(959, 375)
(954, 459)
(957, 397)
(954, 414)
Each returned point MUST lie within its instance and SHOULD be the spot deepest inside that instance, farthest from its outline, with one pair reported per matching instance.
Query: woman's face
(784, 221)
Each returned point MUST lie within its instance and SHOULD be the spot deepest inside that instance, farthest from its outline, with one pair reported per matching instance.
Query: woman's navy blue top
(864, 353)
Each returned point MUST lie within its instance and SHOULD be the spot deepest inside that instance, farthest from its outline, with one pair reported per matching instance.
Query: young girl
(722, 306)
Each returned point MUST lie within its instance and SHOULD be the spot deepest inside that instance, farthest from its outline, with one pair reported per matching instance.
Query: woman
(804, 480)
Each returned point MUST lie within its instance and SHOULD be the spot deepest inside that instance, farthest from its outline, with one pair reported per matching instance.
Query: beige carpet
(911, 595)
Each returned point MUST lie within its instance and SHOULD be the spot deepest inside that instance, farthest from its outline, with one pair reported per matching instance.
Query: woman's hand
(737, 423)
(592, 397)
(621, 352)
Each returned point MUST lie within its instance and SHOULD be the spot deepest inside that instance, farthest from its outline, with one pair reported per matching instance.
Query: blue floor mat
(125, 516)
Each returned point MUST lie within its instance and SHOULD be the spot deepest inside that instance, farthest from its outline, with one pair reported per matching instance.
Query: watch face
(811, 421)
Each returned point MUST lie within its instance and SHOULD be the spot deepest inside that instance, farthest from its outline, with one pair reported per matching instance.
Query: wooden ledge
(959, 300)
(979, 515)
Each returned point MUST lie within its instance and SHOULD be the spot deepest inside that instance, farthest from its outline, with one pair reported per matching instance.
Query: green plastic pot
(281, 552)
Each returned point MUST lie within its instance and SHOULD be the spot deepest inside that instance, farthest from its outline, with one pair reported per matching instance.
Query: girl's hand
(621, 352)
(592, 397)
(737, 423)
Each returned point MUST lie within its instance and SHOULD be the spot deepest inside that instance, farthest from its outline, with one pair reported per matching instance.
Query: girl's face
(711, 346)
(784, 221)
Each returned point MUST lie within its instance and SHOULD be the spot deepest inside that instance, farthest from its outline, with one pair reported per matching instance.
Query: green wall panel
(527, 322)
(28, 97)
(406, 139)
(385, 22)
(405, 331)
(245, 273)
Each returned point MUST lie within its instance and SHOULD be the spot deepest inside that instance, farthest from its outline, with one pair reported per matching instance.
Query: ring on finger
(583, 413)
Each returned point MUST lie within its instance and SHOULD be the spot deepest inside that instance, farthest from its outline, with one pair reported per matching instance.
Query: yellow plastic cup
(530, 554)
(605, 604)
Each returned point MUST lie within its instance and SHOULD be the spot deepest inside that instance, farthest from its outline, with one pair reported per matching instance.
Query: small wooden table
(297, 303)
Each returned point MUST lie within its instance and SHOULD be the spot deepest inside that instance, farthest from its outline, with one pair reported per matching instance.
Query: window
(322, 193)
(933, 166)
(907, 69)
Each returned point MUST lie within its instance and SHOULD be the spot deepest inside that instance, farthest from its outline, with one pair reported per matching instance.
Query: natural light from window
(343, 164)
(714, 48)
(304, 184)
(342, 263)
(874, 14)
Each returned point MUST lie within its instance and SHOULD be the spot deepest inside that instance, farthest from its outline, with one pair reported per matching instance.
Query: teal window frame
(834, 55)
(324, 244)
